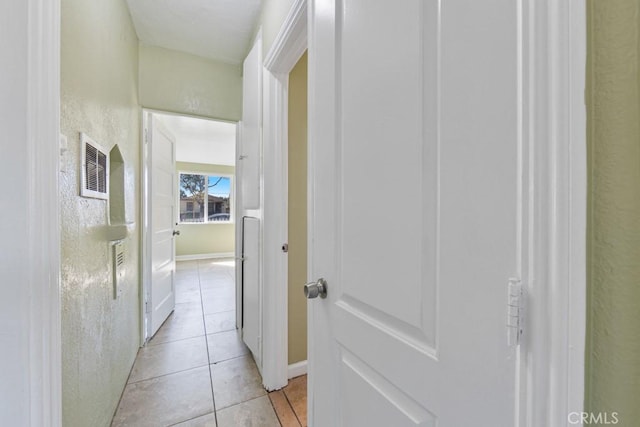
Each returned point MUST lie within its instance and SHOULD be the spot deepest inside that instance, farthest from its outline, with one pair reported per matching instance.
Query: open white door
(249, 199)
(239, 214)
(161, 217)
(414, 170)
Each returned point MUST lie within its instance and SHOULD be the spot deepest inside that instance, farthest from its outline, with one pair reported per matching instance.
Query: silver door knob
(316, 289)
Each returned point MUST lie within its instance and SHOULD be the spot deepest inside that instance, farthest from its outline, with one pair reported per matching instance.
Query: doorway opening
(195, 349)
(188, 208)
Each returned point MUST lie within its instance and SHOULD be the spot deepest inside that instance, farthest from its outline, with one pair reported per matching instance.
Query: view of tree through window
(205, 198)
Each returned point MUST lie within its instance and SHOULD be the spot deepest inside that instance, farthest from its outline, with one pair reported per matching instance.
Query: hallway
(196, 371)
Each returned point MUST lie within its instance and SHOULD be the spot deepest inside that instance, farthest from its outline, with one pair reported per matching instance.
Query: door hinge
(146, 306)
(515, 312)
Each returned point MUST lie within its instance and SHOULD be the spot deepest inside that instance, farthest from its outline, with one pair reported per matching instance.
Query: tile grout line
(251, 400)
(213, 395)
(191, 419)
(166, 375)
(290, 405)
(173, 341)
(274, 409)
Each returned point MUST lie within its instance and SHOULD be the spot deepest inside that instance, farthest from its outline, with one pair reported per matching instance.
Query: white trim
(188, 115)
(214, 255)
(146, 212)
(285, 52)
(43, 215)
(257, 210)
(576, 216)
(291, 41)
(145, 233)
(238, 228)
(554, 252)
(297, 369)
(275, 293)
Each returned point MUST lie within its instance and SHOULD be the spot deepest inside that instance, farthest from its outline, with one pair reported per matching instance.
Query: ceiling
(214, 29)
(201, 140)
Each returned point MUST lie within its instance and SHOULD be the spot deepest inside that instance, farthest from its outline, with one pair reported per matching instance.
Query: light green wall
(613, 100)
(184, 83)
(197, 239)
(99, 96)
(272, 16)
(297, 257)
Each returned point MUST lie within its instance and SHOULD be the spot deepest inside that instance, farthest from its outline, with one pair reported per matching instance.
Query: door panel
(251, 286)
(162, 219)
(251, 127)
(249, 171)
(414, 163)
(372, 400)
(392, 192)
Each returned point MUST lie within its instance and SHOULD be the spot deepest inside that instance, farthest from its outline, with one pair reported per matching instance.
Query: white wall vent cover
(118, 268)
(95, 169)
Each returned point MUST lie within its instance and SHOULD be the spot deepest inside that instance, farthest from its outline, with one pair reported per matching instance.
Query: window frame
(232, 195)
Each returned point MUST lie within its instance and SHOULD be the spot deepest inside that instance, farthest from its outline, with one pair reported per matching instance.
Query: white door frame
(238, 215)
(145, 236)
(146, 254)
(288, 47)
(33, 363)
(553, 128)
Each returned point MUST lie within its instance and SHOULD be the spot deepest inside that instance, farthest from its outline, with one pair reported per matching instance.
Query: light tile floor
(196, 371)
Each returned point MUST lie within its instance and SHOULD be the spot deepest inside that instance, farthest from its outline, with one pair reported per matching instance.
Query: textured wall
(197, 239)
(613, 337)
(184, 83)
(297, 258)
(100, 335)
(272, 16)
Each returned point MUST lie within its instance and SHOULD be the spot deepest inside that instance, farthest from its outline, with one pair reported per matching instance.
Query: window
(205, 198)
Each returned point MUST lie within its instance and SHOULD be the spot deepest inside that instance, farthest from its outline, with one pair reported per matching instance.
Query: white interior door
(238, 215)
(251, 127)
(414, 215)
(248, 172)
(162, 217)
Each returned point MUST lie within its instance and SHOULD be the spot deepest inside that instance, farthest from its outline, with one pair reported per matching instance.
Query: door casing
(288, 47)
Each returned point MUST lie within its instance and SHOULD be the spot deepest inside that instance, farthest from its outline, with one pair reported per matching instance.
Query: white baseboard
(297, 369)
(205, 256)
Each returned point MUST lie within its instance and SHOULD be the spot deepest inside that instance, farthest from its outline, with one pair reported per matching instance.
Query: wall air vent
(118, 268)
(95, 169)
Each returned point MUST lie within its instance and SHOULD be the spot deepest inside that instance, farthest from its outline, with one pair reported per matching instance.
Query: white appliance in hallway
(414, 218)
(160, 217)
(251, 312)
